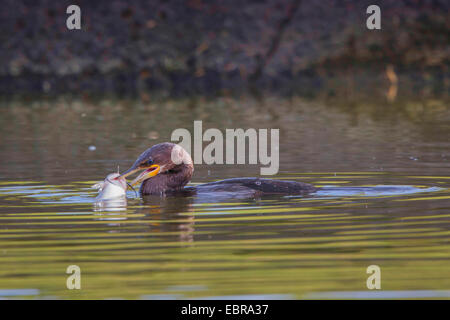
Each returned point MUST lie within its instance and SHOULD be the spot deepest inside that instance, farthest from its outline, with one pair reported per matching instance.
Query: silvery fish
(111, 188)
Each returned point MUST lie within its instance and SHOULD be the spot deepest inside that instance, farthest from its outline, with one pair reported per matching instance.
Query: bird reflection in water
(170, 217)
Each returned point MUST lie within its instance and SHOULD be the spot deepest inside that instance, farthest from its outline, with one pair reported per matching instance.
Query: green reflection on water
(288, 246)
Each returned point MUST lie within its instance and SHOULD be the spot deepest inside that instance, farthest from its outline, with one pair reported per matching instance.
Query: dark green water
(279, 247)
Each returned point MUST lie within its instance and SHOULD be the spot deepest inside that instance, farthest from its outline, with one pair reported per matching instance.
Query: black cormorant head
(164, 166)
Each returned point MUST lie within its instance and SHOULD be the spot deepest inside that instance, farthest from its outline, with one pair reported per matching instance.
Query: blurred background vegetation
(198, 47)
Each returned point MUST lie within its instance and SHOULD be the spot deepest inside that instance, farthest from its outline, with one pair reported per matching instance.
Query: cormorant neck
(171, 180)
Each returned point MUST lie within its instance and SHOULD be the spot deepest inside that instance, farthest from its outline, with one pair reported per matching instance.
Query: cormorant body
(167, 168)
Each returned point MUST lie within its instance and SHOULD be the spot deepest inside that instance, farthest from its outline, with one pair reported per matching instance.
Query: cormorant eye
(149, 162)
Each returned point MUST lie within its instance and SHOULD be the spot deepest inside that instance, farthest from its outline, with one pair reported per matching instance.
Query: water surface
(385, 201)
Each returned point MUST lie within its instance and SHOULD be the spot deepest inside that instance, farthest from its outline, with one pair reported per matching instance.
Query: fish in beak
(113, 187)
(149, 171)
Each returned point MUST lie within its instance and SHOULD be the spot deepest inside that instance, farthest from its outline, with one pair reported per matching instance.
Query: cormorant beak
(148, 172)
